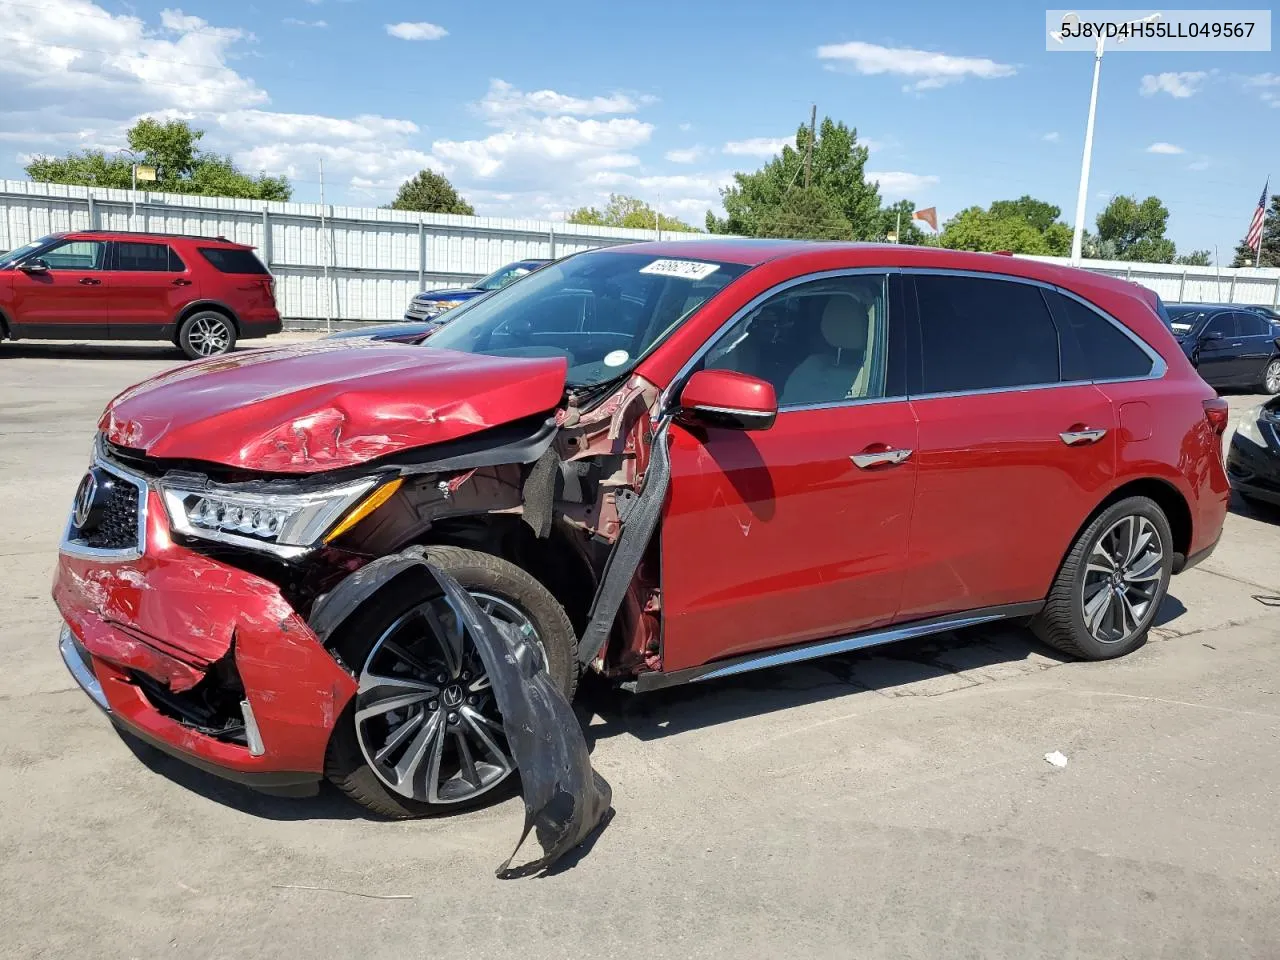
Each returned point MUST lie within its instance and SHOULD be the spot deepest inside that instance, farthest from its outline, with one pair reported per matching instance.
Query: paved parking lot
(891, 804)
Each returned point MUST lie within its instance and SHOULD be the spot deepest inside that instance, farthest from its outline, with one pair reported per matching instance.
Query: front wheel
(1271, 377)
(1111, 584)
(206, 334)
(423, 735)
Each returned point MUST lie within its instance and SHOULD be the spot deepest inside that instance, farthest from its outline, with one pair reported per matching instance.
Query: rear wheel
(423, 734)
(1271, 377)
(1112, 583)
(206, 334)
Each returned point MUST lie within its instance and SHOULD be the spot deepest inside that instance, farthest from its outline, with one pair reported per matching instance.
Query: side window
(980, 334)
(75, 255)
(1092, 347)
(1251, 325)
(820, 342)
(175, 262)
(142, 257)
(1222, 323)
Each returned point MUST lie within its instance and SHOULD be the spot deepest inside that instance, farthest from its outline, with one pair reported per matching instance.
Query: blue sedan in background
(429, 305)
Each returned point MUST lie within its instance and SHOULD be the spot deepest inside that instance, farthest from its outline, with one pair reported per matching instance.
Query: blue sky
(535, 109)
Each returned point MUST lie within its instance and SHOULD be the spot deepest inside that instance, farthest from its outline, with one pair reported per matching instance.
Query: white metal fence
(365, 263)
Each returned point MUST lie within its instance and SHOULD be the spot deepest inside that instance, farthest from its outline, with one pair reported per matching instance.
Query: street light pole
(1077, 236)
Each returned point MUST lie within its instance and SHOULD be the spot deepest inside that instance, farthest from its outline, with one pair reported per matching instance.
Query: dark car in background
(201, 293)
(1230, 345)
(1253, 462)
(430, 304)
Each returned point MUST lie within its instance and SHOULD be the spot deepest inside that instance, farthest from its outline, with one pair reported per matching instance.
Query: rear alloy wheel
(423, 734)
(1271, 377)
(206, 334)
(1111, 584)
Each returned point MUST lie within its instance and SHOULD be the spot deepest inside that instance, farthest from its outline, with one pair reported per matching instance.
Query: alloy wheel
(209, 336)
(426, 718)
(1122, 579)
(1272, 377)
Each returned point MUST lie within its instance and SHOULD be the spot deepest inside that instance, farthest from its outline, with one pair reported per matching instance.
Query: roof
(147, 235)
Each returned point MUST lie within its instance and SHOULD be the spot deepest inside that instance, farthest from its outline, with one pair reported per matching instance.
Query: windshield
(1184, 319)
(602, 311)
(496, 281)
(20, 252)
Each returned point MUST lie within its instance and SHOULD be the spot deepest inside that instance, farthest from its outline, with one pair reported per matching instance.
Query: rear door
(150, 284)
(798, 532)
(1257, 347)
(1011, 457)
(69, 300)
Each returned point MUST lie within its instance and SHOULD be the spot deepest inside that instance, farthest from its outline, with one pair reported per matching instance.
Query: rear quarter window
(1092, 346)
(227, 260)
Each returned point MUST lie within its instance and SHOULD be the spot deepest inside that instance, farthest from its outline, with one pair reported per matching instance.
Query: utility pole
(808, 153)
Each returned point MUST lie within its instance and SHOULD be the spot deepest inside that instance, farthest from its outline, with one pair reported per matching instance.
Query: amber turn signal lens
(364, 508)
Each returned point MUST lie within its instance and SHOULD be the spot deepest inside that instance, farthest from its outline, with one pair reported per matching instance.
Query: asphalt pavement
(894, 804)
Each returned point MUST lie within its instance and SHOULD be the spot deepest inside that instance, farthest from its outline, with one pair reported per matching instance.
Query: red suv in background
(201, 293)
(665, 463)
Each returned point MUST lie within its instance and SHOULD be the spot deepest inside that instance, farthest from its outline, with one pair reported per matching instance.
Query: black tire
(1271, 377)
(206, 333)
(345, 763)
(1061, 624)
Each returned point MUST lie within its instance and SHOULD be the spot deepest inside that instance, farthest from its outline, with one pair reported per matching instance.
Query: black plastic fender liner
(637, 530)
(565, 800)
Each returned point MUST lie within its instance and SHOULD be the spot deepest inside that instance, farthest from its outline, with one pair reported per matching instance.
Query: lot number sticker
(685, 269)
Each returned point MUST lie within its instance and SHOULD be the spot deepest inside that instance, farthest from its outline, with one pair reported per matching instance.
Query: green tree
(1270, 240)
(429, 192)
(181, 167)
(1025, 225)
(1137, 229)
(1196, 258)
(632, 212)
(762, 198)
(806, 214)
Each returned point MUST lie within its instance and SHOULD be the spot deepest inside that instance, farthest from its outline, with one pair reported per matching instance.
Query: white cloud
(504, 100)
(417, 31)
(252, 124)
(897, 183)
(1051, 137)
(931, 70)
(1177, 85)
(756, 146)
(1268, 85)
(295, 22)
(685, 154)
(686, 127)
(1166, 148)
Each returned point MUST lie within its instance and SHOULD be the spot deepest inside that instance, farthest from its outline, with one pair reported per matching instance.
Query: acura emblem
(84, 499)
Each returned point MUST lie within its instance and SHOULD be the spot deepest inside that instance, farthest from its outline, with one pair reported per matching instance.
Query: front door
(1217, 359)
(798, 532)
(149, 287)
(67, 301)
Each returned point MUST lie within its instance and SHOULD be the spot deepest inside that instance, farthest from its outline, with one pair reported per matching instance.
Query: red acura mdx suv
(201, 293)
(665, 463)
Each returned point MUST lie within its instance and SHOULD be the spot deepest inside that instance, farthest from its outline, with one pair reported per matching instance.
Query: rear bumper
(260, 327)
(177, 623)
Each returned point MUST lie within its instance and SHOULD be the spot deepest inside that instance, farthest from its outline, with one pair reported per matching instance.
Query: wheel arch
(1166, 496)
(198, 306)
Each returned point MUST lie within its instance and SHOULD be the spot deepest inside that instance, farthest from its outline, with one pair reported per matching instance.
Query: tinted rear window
(981, 334)
(233, 261)
(146, 257)
(1092, 347)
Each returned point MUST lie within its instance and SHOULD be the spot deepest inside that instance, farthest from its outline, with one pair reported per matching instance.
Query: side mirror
(1211, 335)
(726, 398)
(34, 266)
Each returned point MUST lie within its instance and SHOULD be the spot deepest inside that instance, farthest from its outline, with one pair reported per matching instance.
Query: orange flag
(929, 215)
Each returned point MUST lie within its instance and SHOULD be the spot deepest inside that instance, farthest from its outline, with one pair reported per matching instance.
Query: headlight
(440, 306)
(1250, 425)
(285, 524)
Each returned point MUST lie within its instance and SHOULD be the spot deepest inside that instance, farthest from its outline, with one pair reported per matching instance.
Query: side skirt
(826, 648)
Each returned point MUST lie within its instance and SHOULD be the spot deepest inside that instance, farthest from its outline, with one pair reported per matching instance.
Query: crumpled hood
(313, 407)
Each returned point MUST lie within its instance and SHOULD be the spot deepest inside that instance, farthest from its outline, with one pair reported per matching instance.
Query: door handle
(181, 283)
(1077, 438)
(879, 458)
(90, 281)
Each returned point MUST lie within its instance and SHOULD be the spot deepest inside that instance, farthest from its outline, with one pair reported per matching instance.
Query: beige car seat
(840, 370)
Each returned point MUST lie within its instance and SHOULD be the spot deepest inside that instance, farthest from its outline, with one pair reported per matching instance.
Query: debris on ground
(1056, 758)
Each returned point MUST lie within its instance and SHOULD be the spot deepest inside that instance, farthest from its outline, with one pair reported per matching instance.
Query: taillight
(1218, 414)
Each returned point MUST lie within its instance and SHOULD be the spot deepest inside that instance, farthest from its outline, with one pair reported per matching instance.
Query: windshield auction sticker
(685, 269)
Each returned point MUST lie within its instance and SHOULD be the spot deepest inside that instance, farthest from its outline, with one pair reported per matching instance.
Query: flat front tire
(423, 735)
(1111, 584)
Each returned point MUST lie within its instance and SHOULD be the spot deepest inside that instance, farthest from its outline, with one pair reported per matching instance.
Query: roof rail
(157, 233)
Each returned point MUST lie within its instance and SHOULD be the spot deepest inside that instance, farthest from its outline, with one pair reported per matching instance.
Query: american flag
(1253, 239)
